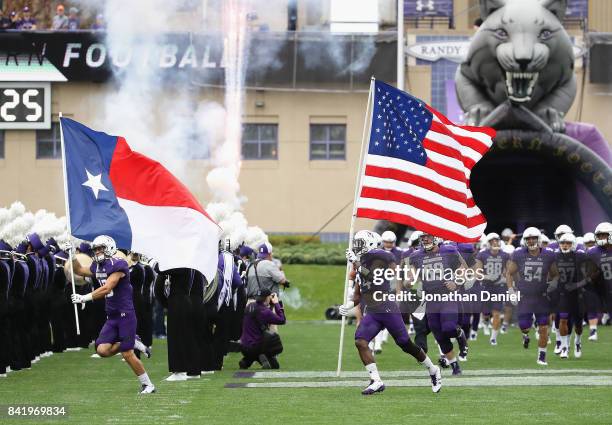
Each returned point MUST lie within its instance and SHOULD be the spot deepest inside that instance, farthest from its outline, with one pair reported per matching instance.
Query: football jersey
(120, 298)
(533, 270)
(602, 258)
(369, 263)
(569, 267)
(397, 253)
(432, 266)
(494, 265)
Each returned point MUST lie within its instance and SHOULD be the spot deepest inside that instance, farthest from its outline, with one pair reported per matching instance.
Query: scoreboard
(25, 105)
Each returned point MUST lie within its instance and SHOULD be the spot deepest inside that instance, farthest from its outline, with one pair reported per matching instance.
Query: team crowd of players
(237, 311)
(567, 282)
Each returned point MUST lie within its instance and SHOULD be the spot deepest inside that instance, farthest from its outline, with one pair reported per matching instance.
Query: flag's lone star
(95, 183)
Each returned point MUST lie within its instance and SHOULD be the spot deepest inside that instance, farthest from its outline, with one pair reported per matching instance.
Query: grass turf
(100, 391)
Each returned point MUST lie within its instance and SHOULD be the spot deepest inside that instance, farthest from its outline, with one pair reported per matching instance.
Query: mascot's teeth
(520, 85)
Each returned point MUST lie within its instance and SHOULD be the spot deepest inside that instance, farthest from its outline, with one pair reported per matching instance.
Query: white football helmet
(389, 236)
(532, 232)
(545, 240)
(492, 237)
(567, 237)
(507, 233)
(106, 242)
(365, 241)
(414, 238)
(429, 244)
(601, 229)
(589, 238)
(561, 230)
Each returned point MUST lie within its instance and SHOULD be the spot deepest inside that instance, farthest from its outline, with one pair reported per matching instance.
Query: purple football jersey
(120, 298)
(533, 270)
(370, 289)
(397, 253)
(494, 265)
(569, 266)
(602, 258)
(432, 267)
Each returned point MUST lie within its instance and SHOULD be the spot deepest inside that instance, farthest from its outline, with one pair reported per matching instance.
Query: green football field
(500, 384)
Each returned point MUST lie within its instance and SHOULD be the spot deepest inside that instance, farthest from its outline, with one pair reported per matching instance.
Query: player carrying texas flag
(119, 331)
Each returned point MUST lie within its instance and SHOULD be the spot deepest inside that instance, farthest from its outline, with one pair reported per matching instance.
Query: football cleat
(486, 330)
(443, 362)
(373, 388)
(147, 389)
(593, 335)
(525, 341)
(436, 381)
(578, 351)
(473, 335)
(463, 355)
(504, 329)
(456, 368)
(542, 359)
(265, 363)
(564, 353)
(558, 347)
(493, 341)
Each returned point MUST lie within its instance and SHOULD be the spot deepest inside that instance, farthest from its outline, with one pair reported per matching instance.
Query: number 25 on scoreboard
(25, 106)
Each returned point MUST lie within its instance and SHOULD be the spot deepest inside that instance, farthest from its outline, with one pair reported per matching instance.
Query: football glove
(345, 309)
(80, 299)
(351, 256)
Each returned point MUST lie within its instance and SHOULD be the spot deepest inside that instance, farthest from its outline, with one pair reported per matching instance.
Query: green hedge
(282, 240)
(312, 253)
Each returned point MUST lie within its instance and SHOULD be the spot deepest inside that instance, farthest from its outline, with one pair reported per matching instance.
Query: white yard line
(419, 373)
(502, 381)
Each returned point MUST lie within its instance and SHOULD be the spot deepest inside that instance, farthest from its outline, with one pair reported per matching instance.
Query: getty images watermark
(458, 277)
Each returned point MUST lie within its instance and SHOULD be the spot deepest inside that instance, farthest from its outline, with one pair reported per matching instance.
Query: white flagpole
(400, 45)
(76, 313)
(362, 158)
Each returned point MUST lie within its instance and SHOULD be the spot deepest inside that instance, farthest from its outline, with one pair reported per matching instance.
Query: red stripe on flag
(423, 205)
(446, 171)
(469, 142)
(140, 179)
(448, 151)
(409, 221)
(403, 176)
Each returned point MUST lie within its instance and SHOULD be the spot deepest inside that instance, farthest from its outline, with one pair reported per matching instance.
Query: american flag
(417, 167)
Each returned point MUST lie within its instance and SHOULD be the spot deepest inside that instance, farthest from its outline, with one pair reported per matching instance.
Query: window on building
(327, 141)
(48, 143)
(260, 141)
(1, 143)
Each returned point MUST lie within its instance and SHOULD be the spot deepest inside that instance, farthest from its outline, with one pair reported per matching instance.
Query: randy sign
(454, 51)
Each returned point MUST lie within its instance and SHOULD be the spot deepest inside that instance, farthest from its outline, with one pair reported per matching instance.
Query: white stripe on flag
(420, 192)
(420, 215)
(418, 170)
(446, 140)
(483, 138)
(177, 237)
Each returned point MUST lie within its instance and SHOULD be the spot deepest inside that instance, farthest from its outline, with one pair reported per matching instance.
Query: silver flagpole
(76, 313)
(362, 158)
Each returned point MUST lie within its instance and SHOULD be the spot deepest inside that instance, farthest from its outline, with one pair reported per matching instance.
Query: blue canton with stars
(399, 124)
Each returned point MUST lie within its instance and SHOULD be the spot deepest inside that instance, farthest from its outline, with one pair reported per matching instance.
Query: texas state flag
(115, 191)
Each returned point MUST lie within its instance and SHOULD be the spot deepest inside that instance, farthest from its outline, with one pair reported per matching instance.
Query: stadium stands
(428, 13)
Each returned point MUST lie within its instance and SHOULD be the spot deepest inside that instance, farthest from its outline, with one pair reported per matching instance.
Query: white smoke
(16, 223)
(170, 122)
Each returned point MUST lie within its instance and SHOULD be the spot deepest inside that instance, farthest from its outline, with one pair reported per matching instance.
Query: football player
(379, 313)
(560, 231)
(589, 240)
(492, 261)
(431, 261)
(570, 262)
(600, 256)
(534, 265)
(119, 331)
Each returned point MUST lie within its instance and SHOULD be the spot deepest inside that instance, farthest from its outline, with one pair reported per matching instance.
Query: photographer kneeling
(258, 343)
